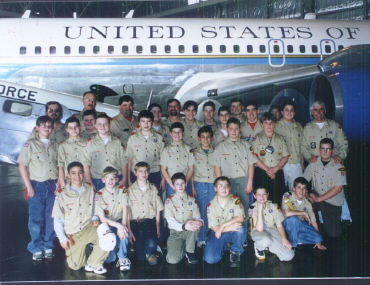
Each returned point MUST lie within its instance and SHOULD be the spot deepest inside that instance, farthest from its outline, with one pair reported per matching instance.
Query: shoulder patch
(99, 193)
(170, 197)
(89, 139)
(342, 169)
(209, 204)
(286, 195)
(237, 201)
(60, 190)
(132, 133)
(234, 196)
(106, 212)
(124, 190)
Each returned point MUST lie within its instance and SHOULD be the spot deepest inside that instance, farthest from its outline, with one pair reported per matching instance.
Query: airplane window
(327, 49)
(276, 49)
(302, 49)
(236, 48)
(67, 50)
(195, 49)
(167, 49)
(22, 50)
(52, 50)
(153, 49)
(181, 48)
(81, 50)
(249, 48)
(139, 49)
(37, 50)
(262, 48)
(110, 49)
(340, 47)
(209, 48)
(96, 49)
(17, 108)
(314, 48)
(290, 49)
(222, 48)
(124, 49)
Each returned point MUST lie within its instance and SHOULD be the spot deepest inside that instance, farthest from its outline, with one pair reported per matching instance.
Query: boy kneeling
(268, 230)
(183, 217)
(225, 215)
(72, 213)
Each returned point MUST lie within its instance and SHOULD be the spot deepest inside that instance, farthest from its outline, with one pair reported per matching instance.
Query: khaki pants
(76, 256)
(177, 242)
(271, 238)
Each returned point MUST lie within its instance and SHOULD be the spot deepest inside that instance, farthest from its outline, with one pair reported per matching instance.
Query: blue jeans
(205, 193)
(299, 231)
(100, 185)
(121, 247)
(215, 247)
(145, 235)
(171, 191)
(40, 222)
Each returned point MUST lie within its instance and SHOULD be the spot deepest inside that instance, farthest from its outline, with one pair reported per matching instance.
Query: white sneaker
(124, 264)
(260, 254)
(100, 270)
(38, 256)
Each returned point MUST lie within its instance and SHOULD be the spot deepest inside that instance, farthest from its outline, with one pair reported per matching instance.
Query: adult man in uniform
(173, 110)
(236, 109)
(89, 103)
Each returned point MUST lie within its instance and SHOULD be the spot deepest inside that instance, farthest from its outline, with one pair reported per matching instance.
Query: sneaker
(49, 253)
(89, 268)
(260, 254)
(191, 258)
(38, 256)
(245, 243)
(124, 264)
(234, 259)
(100, 270)
(152, 259)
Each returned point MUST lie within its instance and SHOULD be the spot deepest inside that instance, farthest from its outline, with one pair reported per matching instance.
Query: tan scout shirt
(58, 135)
(234, 158)
(326, 177)
(148, 149)
(290, 201)
(191, 133)
(111, 204)
(218, 136)
(277, 142)
(122, 128)
(248, 133)
(181, 208)
(177, 158)
(218, 215)
(98, 156)
(144, 205)
(293, 138)
(86, 134)
(272, 215)
(164, 131)
(203, 169)
(76, 210)
(41, 161)
(312, 135)
(70, 151)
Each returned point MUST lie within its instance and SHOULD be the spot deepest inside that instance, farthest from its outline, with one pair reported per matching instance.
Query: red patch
(170, 197)
(106, 212)
(159, 133)
(60, 190)
(209, 204)
(99, 193)
(89, 139)
(234, 196)
(121, 187)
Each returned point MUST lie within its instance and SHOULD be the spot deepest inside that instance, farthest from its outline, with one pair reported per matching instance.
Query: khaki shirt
(148, 149)
(234, 158)
(290, 201)
(293, 138)
(69, 151)
(111, 204)
(86, 134)
(191, 133)
(312, 135)
(76, 210)
(58, 135)
(203, 169)
(277, 142)
(218, 136)
(177, 158)
(164, 131)
(272, 215)
(122, 128)
(181, 208)
(144, 205)
(248, 133)
(218, 215)
(40, 161)
(98, 156)
(326, 177)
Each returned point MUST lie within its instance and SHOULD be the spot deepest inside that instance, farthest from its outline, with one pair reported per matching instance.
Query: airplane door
(327, 47)
(276, 53)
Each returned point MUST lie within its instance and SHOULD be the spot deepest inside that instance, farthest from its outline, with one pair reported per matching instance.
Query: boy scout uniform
(177, 158)
(98, 155)
(111, 204)
(270, 236)
(140, 148)
(122, 128)
(290, 202)
(70, 150)
(164, 131)
(58, 135)
(203, 169)
(76, 210)
(85, 134)
(181, 208)
(218, 136)
(79, 116)
(191, 133)
(312, 135)
(248, 133)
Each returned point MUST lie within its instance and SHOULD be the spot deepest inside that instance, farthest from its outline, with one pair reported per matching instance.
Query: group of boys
(205, 170)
